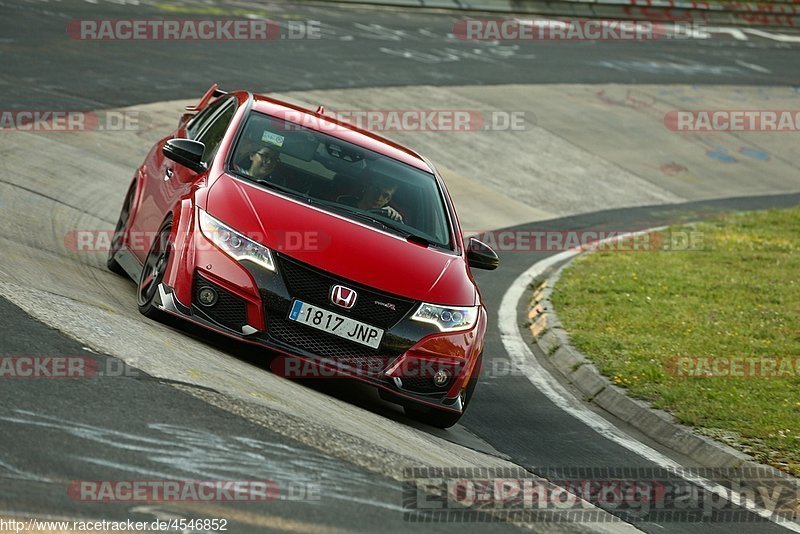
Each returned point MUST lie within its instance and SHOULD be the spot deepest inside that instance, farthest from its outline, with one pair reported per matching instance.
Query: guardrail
(778, 13)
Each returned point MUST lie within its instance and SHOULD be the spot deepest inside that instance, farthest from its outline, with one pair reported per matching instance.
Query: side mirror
(186, 152)
(481, 256)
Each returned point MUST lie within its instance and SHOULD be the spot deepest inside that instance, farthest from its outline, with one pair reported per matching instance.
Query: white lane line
(522, 357)
(782, 37)
(753, 66)
(19, 474)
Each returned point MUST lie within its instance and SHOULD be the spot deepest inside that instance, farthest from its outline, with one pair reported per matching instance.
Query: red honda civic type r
(334, 247)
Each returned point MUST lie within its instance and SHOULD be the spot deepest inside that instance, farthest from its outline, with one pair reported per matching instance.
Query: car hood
(341, 246)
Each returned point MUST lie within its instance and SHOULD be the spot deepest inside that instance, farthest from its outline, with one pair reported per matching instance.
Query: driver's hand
(392, 213)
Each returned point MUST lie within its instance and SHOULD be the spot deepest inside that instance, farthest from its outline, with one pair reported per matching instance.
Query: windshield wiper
(279, 187)
(385, 224)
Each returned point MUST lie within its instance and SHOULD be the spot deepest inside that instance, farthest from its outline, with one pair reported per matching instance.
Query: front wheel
(155, 265)
(443, 418)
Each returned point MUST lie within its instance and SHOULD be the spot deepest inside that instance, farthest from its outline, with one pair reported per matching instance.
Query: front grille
(310, 285)
(336, 349)
(229, 311)
(314, 287)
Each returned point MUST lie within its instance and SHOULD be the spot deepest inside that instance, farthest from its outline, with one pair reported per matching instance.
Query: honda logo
(343, 296)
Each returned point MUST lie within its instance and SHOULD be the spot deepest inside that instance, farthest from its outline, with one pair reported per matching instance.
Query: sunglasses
(267, 156)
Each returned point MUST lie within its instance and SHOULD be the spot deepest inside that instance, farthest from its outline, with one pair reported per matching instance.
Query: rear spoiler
(213, 92)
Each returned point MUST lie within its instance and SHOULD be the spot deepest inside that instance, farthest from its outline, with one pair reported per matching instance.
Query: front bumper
(404, 363)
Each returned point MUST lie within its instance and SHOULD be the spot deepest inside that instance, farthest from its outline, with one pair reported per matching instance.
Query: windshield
(338, 176)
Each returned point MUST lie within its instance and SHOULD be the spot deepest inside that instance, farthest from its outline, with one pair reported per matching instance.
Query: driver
(375, 197)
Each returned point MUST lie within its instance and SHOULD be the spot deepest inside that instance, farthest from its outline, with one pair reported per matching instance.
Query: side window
(215, 131)
(199, 121)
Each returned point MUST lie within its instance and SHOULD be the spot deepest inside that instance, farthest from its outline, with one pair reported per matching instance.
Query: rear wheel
(443, 418)
(119, 232)
(155, 265)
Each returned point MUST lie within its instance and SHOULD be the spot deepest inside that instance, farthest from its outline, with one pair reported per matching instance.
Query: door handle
(169, 173)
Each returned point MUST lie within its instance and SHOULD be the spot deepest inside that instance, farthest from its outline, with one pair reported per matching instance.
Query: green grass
(631, 312)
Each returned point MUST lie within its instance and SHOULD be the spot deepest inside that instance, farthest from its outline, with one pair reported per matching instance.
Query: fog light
(207, 296)
(441, 378)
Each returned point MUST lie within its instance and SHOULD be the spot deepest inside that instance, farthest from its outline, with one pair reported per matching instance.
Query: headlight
(234, 244)
(447, 318)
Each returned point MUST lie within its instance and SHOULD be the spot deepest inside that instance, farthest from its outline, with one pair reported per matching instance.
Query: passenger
(260, 164)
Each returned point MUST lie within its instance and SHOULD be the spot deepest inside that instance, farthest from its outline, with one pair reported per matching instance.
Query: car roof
(328, 124)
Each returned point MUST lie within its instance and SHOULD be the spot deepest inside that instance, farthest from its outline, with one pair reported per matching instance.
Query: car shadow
(347, 390)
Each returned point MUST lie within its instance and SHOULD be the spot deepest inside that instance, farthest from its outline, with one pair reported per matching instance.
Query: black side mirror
(481, 256)
(187, 152)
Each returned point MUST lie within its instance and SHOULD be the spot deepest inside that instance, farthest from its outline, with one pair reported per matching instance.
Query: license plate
(336, 324)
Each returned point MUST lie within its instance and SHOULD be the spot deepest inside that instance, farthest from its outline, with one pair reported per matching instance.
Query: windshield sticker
(272, 138)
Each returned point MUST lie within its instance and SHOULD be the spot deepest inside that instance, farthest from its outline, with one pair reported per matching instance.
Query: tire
(443, 418)
(153, 270)
(119, 231)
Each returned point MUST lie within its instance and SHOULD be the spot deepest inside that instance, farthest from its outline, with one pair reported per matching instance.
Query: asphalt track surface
(109, 427)
(360, 48)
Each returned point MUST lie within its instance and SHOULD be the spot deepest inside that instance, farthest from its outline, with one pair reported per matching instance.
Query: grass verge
(636, 314)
